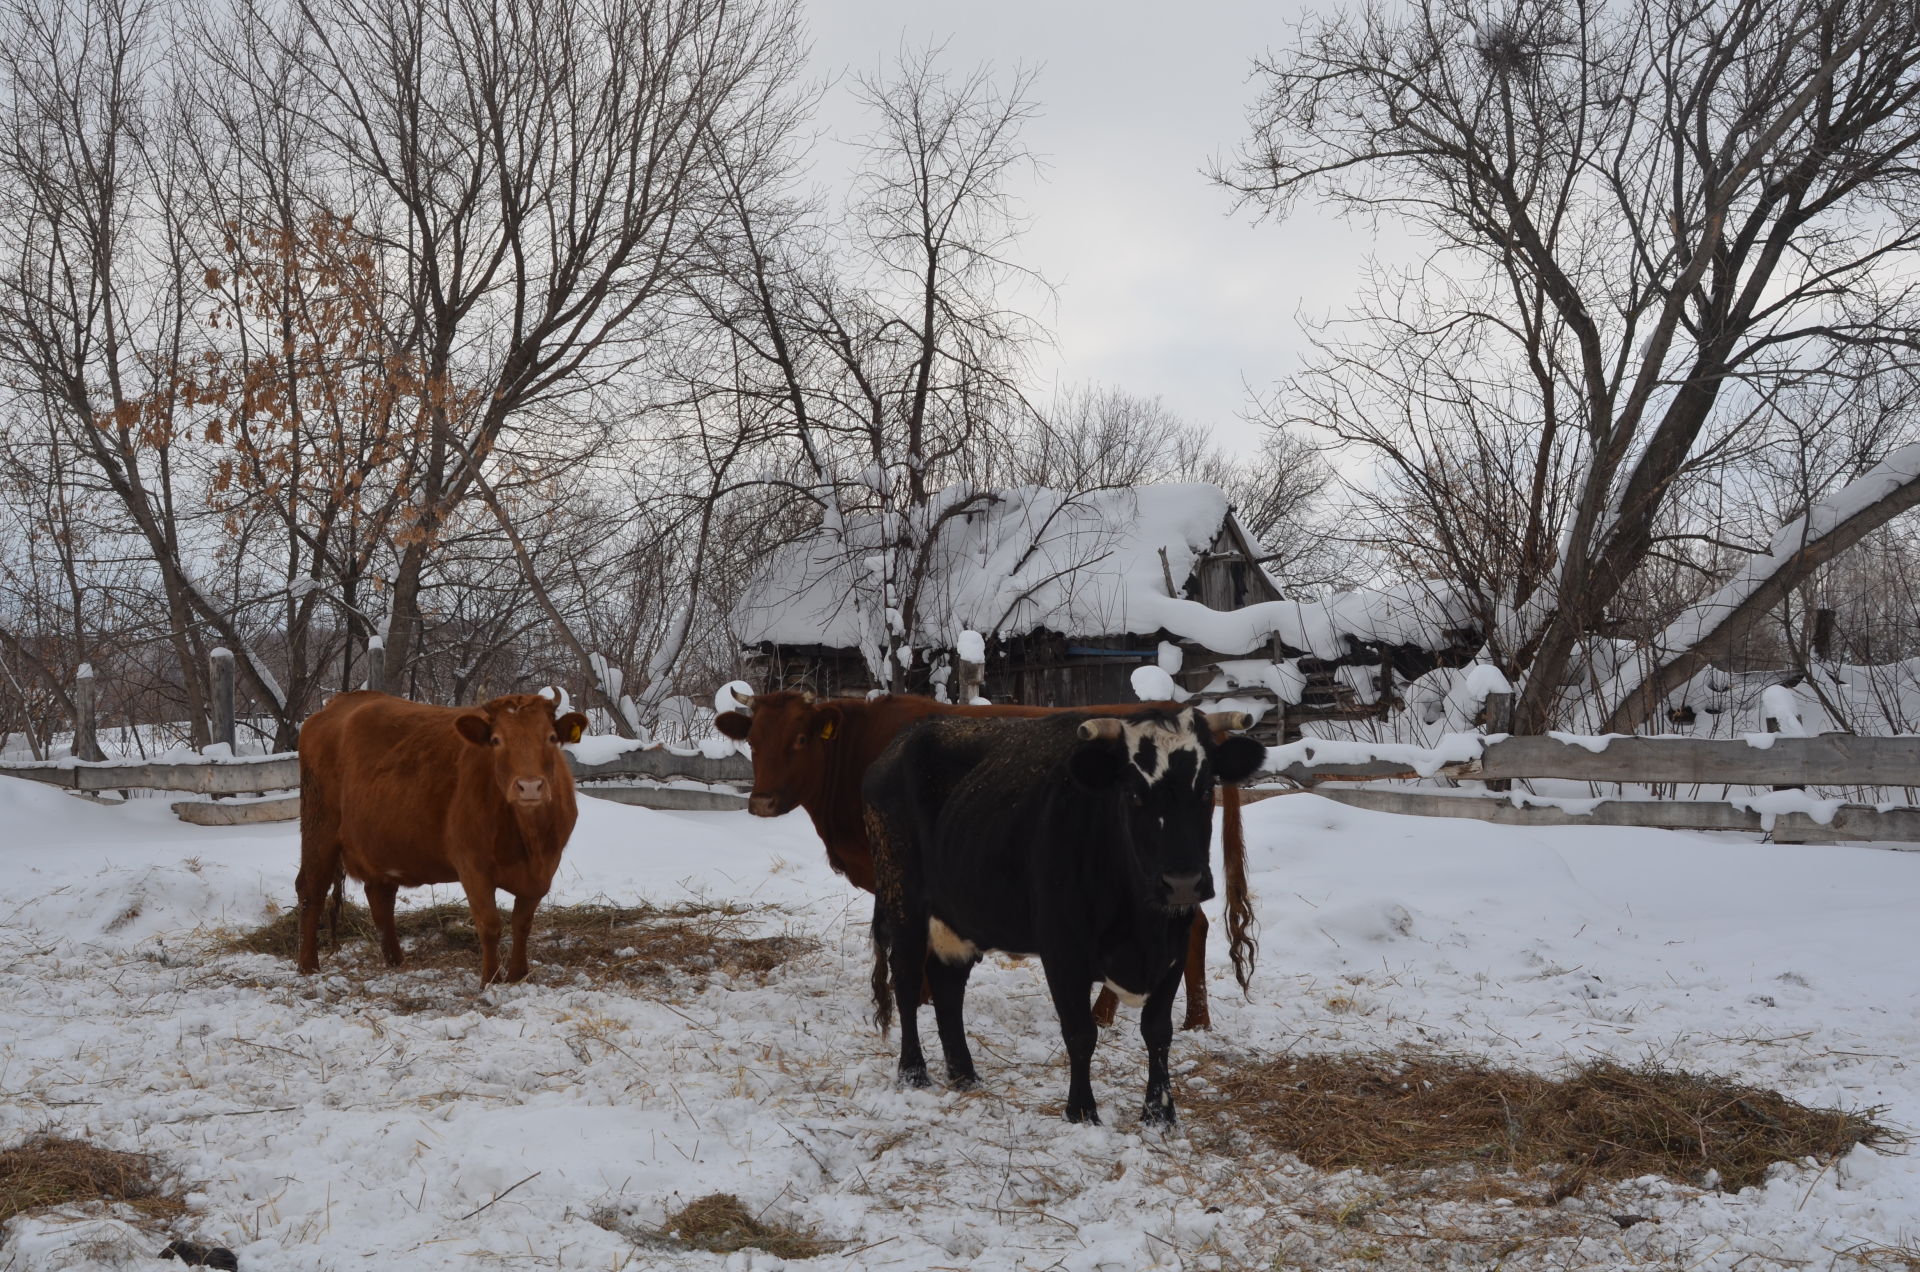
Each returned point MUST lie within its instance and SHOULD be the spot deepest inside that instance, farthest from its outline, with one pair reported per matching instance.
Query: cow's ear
(474, 727)
(1096, 765)
(1238, 758)
(734, 724)
(570, 726)
(830, 719)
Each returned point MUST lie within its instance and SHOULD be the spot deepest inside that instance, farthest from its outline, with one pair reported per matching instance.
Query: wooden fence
(1831, 760)
(254, 788)
(634, 777)
(262, 782)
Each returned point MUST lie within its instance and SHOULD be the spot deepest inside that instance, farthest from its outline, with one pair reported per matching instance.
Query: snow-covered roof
(1083, 566)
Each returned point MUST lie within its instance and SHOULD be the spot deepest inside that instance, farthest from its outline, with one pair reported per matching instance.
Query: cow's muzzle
(1187, 890)
(529, 792)
(762, 805)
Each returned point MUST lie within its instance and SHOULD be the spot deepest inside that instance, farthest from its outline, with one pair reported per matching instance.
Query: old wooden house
(1071, 596)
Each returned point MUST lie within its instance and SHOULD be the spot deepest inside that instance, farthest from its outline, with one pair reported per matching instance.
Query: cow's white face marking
(1125, 995)
(1157, 745)
(948, 945)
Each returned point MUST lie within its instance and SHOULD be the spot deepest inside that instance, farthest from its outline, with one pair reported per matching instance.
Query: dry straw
(51, 1170)
(626, 945)
(1381, 1113)
(722, 1224)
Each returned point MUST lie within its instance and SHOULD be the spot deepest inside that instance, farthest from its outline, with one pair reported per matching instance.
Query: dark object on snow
(1627, 1221)
(1084, 840)
(195, 1255)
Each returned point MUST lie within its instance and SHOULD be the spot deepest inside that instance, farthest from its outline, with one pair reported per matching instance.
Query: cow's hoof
(915, 1076)
(1089, 1115)
(1194, 1024)
(1158, 1115)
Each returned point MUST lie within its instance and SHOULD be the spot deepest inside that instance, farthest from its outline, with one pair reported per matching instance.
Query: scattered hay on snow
(52, 1170)
(629, 945)
(721, 1223)
(1605, 1122)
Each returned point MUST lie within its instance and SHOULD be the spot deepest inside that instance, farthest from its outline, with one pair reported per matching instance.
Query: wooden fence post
(1500, 720)
(972, 676)
(376, 664)
(86, 739)
(220, 663)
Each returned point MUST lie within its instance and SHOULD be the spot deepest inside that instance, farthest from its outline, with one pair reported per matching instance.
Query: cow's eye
(554, 738)
(494, 740)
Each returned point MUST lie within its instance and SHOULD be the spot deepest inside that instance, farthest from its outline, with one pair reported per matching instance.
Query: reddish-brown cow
(812, 753)
(398, 794)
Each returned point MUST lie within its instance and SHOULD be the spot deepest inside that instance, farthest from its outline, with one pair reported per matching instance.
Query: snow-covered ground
(324, 1129)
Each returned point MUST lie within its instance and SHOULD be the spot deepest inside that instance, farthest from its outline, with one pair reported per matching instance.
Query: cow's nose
(1184, 889)
(762, 805)
(530, 789)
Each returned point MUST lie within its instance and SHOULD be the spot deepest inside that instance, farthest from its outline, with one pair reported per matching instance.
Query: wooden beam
(248, 812)
(1362, 771)
(660, 764)
(668, 798)
(1830, 760)
(241, 777)
(1852, 823)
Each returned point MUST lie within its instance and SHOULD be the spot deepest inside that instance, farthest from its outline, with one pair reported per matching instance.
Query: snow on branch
(1830, 526)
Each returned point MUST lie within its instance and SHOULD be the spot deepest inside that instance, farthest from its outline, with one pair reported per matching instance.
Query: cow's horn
(1229, 721)
(1102, 730)
(743, 702)
(806, 696)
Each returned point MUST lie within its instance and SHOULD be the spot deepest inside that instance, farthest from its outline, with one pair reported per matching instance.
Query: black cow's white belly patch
(948, 945)
(1124, 994)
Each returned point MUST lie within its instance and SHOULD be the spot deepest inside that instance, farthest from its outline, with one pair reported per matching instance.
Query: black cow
(1083, 840)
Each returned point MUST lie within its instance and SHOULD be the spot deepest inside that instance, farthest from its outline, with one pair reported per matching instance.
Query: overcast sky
(1163, 290)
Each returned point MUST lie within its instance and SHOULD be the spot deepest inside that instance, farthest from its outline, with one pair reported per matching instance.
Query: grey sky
(1161, 289)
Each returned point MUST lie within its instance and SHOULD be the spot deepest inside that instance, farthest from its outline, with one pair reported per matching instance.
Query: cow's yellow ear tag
(826, 731)
(573, 733)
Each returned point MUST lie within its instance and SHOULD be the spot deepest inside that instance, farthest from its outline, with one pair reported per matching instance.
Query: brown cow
(812, 753)
(398, 794)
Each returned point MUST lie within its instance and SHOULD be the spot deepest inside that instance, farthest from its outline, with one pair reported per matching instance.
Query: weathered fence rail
(1851, 823)
(627, 778)
(1828, 760)
(1831, 760)
(242, 775)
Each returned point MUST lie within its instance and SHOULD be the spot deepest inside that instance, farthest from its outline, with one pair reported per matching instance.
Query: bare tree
(540, 171)
(883, 343)
(1654, 215)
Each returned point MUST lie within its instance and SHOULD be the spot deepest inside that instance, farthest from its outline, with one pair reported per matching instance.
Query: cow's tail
(886, 883)
(882, 975)
(333, 904)
(1242, 945)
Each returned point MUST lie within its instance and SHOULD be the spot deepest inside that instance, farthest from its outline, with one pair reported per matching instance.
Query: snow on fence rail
(631, 777)
(1789, 815)
(1763, 759)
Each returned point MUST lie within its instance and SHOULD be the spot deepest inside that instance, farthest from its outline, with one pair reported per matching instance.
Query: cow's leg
(909, 955)
(380, 905)
(319, 865)
(1197, 1017)
(486, 925)
(1156, 1030)
(1068, 985)
(523, 908)
(948, 982)
(317, 874)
